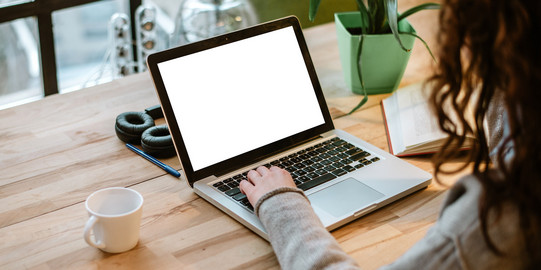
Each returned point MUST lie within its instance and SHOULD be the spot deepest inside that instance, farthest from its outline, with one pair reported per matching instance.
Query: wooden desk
(57, 151)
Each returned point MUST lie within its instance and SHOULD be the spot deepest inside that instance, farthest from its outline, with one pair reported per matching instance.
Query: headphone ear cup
(130, 125)
(157, 141)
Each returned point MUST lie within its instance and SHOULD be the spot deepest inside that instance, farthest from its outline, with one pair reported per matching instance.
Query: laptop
(251, 98)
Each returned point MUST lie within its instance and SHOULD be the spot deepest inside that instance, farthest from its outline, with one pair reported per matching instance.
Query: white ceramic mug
(115, 218)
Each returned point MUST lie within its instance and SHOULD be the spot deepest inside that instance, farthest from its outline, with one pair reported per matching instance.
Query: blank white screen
(235, 98)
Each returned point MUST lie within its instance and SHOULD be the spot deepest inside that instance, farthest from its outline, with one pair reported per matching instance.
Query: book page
(418, 123)
(393, 124)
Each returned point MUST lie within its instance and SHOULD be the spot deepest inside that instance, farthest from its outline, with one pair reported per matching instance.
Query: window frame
(42, 10)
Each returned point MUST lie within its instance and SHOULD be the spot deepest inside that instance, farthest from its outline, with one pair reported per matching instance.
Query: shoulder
(456, 241)
(459, 222)
(460, 207)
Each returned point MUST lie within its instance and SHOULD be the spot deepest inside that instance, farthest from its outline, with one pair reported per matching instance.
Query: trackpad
(344, 197)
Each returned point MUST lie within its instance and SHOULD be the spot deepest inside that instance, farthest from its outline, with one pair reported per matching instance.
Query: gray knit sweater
(455, 242)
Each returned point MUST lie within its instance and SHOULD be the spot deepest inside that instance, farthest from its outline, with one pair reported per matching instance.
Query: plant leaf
(380, 16)
(365, 16)
(422, 40)
(392, 16)
(365, 98)
(312, 10)
(417, 9)
(411, 11)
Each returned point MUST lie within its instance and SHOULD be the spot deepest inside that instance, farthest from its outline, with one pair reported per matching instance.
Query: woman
(490, 57)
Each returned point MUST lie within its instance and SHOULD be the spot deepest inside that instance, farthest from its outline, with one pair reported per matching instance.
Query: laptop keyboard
(309, 167)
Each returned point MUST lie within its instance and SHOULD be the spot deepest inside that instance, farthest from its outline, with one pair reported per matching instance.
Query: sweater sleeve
(297, 235)
(456, 240)
(300, 241)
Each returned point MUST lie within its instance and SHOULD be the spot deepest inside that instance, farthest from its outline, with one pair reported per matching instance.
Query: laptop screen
(231, 99)
(234, 98)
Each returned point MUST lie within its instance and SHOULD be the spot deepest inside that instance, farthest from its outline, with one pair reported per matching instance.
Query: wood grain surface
(57, 151)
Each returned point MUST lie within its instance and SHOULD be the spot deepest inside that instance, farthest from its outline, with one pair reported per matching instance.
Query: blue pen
(154, 160)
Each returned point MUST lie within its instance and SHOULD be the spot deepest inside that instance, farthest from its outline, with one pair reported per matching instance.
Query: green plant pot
(383, 61)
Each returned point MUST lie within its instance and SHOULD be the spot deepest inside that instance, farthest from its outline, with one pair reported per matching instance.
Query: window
(52, 46)
(5, 3)
(20, 73)
(41, 50)
(81, 44)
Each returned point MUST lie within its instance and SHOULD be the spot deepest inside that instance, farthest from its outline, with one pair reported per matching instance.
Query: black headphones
(139, 128)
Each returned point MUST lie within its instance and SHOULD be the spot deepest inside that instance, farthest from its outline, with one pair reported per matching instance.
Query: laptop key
(348, 145)
(329, 168)
(334, 159)
(329, 147)
(354, 151)
(239, 197)
(338, 142)
(232, 192)
(325, 162)
(307, 162)
(247, 204)
(287, 163)
(218, 184)
(324, 156)
(295, 159)
(317, 166)
(339, 172)
(316, 181)
(299, 166)
(223, 188)
(333, 152)
(360, 155)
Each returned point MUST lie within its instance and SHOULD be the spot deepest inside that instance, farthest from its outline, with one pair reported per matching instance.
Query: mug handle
(88, 228)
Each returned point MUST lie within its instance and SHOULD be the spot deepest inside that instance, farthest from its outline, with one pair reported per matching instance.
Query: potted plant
(375, 44)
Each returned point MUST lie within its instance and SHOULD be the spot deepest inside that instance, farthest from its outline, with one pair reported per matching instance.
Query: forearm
(297, 236)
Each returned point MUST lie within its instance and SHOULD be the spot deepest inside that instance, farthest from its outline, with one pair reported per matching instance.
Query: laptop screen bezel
(254, 155)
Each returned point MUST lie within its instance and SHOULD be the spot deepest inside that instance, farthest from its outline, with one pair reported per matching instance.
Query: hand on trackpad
(344, 197)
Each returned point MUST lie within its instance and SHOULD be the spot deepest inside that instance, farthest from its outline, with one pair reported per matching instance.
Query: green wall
(273, 9)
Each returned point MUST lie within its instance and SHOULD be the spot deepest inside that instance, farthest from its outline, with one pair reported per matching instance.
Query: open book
(412, 128)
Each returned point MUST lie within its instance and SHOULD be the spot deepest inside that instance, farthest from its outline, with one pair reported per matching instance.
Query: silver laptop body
(251, 98)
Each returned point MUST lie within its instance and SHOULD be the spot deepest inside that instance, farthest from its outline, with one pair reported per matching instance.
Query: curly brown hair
(489, 48)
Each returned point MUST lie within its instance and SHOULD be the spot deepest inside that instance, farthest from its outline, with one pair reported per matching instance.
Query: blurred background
(48, 48)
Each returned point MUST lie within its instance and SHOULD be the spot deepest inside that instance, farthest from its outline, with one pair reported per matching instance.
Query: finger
(279, 170)
(275, 168)
(253, 176)
(262, 170)
(246, 187)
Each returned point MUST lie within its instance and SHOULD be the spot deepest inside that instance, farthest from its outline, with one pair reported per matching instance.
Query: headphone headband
(155, 112)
